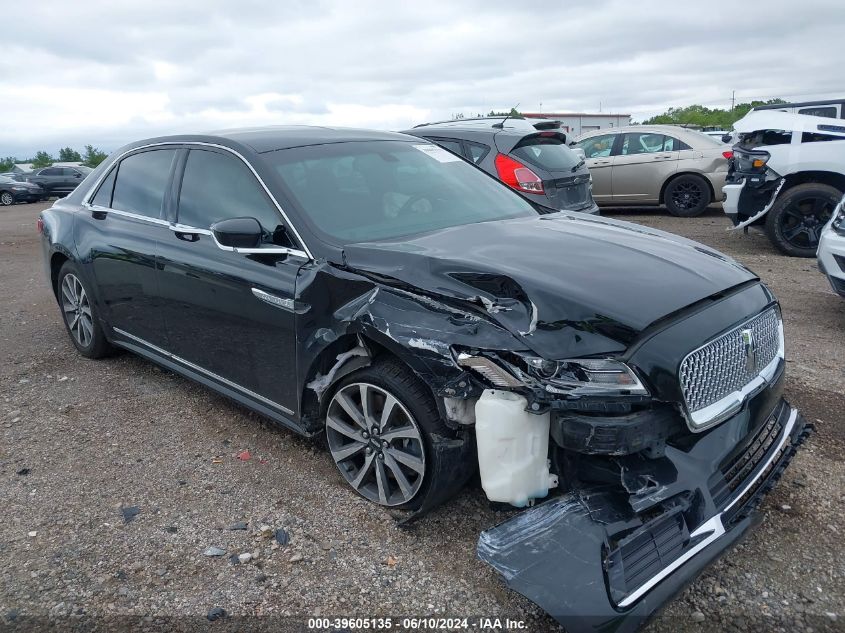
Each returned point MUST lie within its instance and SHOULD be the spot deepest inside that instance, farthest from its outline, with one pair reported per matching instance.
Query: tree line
(91, 157)
(707, 117)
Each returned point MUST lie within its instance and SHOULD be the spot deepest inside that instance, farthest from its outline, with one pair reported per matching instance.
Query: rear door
(644, 162)
(230, 314)
(598, 152)
(118, 236)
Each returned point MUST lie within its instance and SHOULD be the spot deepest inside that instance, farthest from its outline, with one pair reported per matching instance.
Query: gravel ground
(117, 477)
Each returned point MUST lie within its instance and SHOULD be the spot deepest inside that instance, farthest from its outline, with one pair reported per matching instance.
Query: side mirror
(727, 138)
(238, 232)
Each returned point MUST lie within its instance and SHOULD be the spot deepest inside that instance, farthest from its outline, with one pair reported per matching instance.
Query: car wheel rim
(686, 195)
(77, 310)
(376, 444)
(6, 199)
(803, 220)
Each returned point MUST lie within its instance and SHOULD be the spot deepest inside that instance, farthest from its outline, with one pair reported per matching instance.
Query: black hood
(564, 284)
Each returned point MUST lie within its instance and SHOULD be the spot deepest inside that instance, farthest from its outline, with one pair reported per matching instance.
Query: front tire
(795, 222)
(7, 199)
(687, 196)
(80, 314)
(378, 426)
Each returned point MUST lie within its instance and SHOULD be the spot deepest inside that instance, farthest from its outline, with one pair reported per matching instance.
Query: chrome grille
(729, 363)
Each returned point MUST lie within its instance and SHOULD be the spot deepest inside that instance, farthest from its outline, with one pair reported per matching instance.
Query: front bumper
(831, 258)
(602, 559)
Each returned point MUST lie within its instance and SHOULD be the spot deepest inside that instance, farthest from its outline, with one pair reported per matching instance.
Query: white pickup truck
(787, 173)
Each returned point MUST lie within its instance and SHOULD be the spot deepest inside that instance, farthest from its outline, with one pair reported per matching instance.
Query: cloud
(107, 73)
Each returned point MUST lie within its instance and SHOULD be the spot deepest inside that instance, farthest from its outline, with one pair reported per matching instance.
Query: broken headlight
(585, 376)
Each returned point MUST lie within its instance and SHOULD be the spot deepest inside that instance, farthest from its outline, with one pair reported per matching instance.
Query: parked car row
(432, 323)
(41, 184)
(12, 191)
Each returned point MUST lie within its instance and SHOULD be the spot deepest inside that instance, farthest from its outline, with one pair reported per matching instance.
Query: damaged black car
(621, 384)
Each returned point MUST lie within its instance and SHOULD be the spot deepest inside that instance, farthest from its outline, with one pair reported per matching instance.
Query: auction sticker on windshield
(438, 153)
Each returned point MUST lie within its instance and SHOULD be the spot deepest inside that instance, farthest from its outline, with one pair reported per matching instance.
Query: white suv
(832, 249)
(788, 173)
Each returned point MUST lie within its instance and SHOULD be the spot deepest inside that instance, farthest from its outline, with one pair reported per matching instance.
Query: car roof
(788, 121)
(682, 133)
(272, 138)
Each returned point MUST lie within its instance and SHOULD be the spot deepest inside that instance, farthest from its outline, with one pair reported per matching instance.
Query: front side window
(50, 171)
(378, 190)
(141, 182)
(218, 187)
(597, 146)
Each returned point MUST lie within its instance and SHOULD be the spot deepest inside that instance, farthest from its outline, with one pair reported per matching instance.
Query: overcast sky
(111, 72)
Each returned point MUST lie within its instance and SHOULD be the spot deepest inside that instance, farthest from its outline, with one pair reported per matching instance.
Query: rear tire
(357, 441)
(795, 222)
(80, 314)
(7, 199)
(687, 196)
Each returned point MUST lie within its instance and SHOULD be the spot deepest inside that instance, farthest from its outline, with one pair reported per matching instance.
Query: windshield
(379, 190)
(551, 154)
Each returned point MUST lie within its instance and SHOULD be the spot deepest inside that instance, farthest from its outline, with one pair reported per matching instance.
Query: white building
(575, 123)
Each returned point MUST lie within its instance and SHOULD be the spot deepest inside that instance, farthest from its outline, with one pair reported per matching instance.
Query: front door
(644, 162)
(598, 155)
(229, 314)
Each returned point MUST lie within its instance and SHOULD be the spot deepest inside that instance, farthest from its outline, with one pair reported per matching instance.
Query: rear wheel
(687, 196)
(378, 423)
(80, 315)
(795, 222)
(7, 199)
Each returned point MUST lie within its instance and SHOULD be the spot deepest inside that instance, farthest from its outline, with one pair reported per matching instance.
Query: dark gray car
(58, 181)
(535, 162)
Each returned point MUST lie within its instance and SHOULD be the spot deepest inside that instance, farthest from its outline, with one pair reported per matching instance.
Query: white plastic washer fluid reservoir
(513, 447)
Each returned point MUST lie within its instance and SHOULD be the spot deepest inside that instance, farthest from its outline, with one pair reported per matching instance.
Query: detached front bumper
(604, 559)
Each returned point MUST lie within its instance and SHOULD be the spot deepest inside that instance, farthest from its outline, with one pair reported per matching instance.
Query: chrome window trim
(90, 193)
(208, 373)
(721, 410)
(714, 528)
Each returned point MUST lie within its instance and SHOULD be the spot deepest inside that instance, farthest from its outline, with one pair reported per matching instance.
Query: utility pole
(733, 99)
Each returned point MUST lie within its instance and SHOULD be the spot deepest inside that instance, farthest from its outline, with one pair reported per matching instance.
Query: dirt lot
(84, 442)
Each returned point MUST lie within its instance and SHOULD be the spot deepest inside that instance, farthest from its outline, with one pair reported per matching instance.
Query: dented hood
(564, 284)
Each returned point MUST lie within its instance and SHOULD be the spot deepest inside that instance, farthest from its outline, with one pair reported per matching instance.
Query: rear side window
(550, 154)
(103, 197)
(217, 187)
(816, 137)
(477, 151)
(450, 144)
(141, 182)
(827, 111)
(50, 171)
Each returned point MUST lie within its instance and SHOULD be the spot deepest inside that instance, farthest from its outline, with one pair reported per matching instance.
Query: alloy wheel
(6, 199)
(686, 195)
(77, 310)
(376, 443)
(803, 220)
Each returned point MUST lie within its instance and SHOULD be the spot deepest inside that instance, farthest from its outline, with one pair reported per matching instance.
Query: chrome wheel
(6, 199)
(77, 310)
(376, 443)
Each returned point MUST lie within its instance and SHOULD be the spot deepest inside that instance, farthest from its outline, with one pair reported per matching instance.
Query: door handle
(187, 237)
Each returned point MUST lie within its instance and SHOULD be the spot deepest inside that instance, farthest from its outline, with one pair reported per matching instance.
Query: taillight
(39, 223)
(728, 154)
(516, 175)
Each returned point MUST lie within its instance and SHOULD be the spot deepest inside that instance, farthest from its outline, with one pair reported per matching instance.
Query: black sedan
(12, 191)
(431, 323)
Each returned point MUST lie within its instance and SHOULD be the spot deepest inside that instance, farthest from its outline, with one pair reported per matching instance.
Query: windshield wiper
(578, 166)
